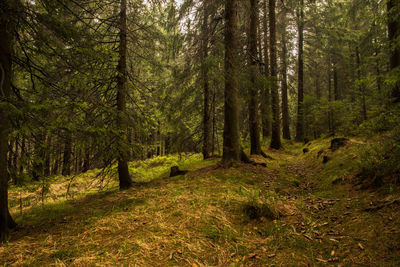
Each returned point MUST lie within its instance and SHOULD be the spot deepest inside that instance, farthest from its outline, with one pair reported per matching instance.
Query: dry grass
(199, 220)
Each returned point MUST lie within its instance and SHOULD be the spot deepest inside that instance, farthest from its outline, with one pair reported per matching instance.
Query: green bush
(379, 162)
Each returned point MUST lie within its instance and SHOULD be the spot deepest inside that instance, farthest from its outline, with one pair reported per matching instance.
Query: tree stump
(175, 171)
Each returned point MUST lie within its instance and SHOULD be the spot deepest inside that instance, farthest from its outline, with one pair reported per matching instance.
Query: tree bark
(7, 35)
(266, 105)
(285, 106)
(206, 85)
(47, 154)
(276, 136)
(66, 168)
(254, 125)
(123, 171)
(335, 83)
(231, 143)
(330, 114)
(300, 88)
(361, 87)
(393, 8)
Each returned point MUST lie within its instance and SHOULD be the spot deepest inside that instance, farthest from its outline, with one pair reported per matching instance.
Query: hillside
(296, 211)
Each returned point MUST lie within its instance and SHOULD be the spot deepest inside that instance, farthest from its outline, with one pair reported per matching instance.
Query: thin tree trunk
(47, 154)
(393, 8)
(331, 119)
(123, 171)
(300, 94)
(66, 168)
(276, 136)
(22, 156)
(214, 130)
(254, 126)
(266, 97)
(206, 86)
(335, 83)
(231, 144)
(285, 106)
(361, 87)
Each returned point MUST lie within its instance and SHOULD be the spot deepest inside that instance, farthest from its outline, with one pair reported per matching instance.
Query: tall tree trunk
(206, 85)
(330, 98)
(15, 161)
(214, 125)
(276, 136)
(300, 88)
(231, 143)
(123, 171)
(393, 8)
(38, 162)
(285, 106)
(86, 160)
(6, 32)
(254, 124)
(335, 83)
(266, 97)
(360, 86)
(22, 155)
(66, 168)
(47, 154)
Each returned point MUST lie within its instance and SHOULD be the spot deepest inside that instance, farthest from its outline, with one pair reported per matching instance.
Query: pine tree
(231, 144)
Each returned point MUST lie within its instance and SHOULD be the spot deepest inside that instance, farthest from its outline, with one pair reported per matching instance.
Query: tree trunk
(285, 106)
(47, 154)
(254, 124)
(331, 119)
(266, 105)
(276, 136)
(214, 126)
(335, 83)
(123, 171)
(393, 8)
(361, 87)
(66, 168)
(206, 86)
(22, 156)
(6, 32)
(300, 94)
(231, 146)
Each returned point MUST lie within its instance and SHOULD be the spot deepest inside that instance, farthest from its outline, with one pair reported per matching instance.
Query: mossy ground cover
(318, 216)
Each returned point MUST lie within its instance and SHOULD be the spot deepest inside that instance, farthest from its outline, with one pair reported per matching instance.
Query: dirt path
(203, 219)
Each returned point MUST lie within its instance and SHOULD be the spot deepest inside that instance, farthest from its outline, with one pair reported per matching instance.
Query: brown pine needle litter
(199, 219)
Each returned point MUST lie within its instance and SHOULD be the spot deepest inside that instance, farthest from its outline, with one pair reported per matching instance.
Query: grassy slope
(199, 219)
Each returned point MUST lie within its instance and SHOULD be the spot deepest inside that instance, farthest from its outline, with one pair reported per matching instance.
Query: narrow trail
(200, 219)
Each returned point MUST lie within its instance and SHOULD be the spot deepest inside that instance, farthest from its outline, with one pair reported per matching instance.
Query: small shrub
(379, 162)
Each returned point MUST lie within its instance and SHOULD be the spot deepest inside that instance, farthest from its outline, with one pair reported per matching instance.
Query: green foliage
(379, 161)
(157, 167)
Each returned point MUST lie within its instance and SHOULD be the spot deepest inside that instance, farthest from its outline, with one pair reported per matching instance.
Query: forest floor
(215, 216)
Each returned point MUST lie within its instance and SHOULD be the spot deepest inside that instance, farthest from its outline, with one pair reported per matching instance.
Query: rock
(175, 171)
(325, 160)
(305, 150)
(337, 143)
